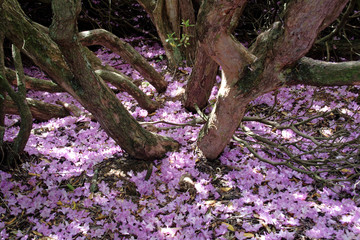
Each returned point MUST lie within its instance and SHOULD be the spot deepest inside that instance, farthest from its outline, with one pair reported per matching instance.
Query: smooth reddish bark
(251, 73)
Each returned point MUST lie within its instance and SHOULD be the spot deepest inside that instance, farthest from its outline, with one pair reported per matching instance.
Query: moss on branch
(320, 73)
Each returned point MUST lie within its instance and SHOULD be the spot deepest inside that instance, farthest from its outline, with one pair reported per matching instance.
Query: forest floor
(76, 183)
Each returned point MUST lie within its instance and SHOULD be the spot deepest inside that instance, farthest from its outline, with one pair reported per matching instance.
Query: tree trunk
(201, 81)
(203, 75)
(187, 12)
(20, 140)
(167, 16)
(247, 75)
(81, 81)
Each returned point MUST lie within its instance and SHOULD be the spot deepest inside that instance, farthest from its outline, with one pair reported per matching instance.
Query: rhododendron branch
(34, 83)
(40, 110)
(341, 24)
(19, 99)
(122, 82)
(312, 166)
(96, 96)
(193, 122)
(320, 73)
(127, 52)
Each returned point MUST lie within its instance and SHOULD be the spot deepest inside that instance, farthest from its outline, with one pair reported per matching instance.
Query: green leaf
(186, 23)
(71, 187)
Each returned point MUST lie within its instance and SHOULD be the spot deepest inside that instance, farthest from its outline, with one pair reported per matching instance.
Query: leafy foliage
(184, 40)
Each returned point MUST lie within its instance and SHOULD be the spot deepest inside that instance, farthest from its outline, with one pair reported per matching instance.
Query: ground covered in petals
(76, 183)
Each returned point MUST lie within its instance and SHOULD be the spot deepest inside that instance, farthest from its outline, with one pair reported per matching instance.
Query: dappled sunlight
(79, 186)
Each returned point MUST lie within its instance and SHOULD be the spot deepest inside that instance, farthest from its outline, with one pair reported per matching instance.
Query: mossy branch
(320, 73)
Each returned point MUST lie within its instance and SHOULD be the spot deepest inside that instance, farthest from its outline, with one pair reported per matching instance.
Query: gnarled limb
(121, 81)
(40, 110)
(96, 96)
(24, 110)
(215, 19)
(248, 75)
(203, 75)
(124, 83)
(33, 83)
(20, 140)
(320, 73)
(38, 45)
(303, 22)
(127, 52)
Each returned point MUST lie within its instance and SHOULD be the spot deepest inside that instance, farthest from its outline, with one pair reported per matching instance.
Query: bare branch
(303, 155)
(40, 110)
(124, 83)
(341, 24)
(127, 52)
(34, 83)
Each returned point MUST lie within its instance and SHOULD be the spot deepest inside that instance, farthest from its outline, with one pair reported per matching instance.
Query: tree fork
(203, 75)
(246, 76)
(45, 53)
(95, 94)
(121, 82)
